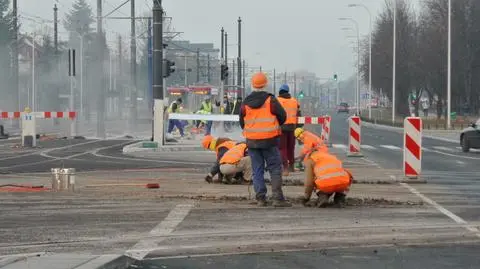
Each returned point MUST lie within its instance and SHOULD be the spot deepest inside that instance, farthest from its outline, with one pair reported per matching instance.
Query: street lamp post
(357, 94)
(449, 67)
(394, 62)
(369, 59)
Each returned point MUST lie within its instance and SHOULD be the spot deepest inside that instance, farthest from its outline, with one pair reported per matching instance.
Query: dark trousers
(287, 149)
(175, 123)
(271, 157)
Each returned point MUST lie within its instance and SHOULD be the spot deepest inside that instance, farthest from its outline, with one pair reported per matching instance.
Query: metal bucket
(68, 179)
(56, 178)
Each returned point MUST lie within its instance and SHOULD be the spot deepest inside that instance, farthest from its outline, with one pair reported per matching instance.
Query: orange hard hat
(206, 141)
(259, 80)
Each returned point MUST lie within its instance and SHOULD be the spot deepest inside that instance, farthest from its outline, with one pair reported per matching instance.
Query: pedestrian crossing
(397, 148)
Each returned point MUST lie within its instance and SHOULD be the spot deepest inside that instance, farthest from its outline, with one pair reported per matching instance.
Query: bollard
(326, 131)
(56, 178)
(412, 147)
(354, 137)
(68, 179)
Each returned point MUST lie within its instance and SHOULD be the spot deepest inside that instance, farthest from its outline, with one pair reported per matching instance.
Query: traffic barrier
(354, 137)
(412, 147)
(235, 118)
(325, 135)
(28, 118)
(310, 120)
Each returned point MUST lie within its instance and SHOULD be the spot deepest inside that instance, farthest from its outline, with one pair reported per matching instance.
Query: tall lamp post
(369, 59)
(357, 94)
(394, 62)
(449, 67)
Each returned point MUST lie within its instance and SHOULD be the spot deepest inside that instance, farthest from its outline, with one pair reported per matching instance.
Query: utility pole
(233, 72)
(158, 71)
(243, 79)
(133, 59)
(239, 59)
(222, 45)
(285, 77)
(222, 59)
(208, 68)
(16, 90)
(150, 65)
(198, 65)
(100, 73)
(120, 72)
(222, 90)
(274, 80)
(55, 44)
(294, 84)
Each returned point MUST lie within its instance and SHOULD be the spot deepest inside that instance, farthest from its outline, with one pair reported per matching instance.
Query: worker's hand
(209, 178)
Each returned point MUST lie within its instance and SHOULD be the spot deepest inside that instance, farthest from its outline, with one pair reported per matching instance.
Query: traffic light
(335, 77)
(301, 95)
(224, 72)
(169, 68)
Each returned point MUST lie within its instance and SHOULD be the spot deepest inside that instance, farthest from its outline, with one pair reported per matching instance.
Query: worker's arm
(216, 167)
(277, 110)
(241, 114)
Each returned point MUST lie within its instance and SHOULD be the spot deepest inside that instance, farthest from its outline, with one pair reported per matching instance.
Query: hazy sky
(301, 34)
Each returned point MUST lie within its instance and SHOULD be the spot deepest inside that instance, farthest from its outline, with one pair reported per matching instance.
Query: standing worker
(287, 140)
(261, 116)
(206, 108)
(175, 108)
(325, 174)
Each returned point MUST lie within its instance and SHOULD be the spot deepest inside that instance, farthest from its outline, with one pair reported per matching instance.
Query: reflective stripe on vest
(332, 175)
(324, 168)
(227, 144)
(291, 108)
(260, 123)
(234, 155)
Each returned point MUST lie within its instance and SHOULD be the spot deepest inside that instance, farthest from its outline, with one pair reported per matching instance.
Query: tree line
(421, 53)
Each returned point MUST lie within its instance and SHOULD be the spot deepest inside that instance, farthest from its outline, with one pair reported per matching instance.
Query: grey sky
(301, 34)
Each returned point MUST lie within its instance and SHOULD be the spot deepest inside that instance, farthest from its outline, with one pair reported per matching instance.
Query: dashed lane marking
(391, 147)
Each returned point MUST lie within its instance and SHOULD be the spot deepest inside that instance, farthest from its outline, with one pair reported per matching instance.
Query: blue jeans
(270, 156)
(175, 123)
(208, 128)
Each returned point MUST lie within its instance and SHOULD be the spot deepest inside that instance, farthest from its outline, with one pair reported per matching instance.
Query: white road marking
(460, 162)
(472, 150)
(444, 148)
(443, 210)
(455, 155)
(140, 159)
(164, 228)
(367, 147)
(339, 146)
(390, 147)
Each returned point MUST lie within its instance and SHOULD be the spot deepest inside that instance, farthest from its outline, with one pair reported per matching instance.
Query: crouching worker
(310, 142)
(324, 174)
(236, 163)
(220, 145)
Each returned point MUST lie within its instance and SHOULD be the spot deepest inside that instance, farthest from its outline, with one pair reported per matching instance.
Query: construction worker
(287, 140)
(325, 174)
(174, 108)
(236, 161)
(310, 142)
(220, 145)
(260, 117)
(206, 108)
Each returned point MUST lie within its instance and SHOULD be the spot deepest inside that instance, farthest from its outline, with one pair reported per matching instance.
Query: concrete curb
(399, 130)
(137, 147)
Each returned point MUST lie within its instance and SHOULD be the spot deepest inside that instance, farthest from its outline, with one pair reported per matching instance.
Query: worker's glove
(209, 178)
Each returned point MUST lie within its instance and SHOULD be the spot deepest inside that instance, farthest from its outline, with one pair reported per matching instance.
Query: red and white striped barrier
(354, 137)
(310, 120)
(325, 135)
(412, 147)
(40, 115)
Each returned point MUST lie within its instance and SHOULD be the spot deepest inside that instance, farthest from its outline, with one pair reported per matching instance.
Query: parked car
(343, 107)
(470, 137)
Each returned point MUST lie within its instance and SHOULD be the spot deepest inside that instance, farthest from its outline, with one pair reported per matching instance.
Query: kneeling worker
(236, 161)
(220, 145)
(325, 174)
(310, 142)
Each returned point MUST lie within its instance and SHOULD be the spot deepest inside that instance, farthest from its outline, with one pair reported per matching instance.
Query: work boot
(227, 179)
(262, 203)
(281, 203)
(322, 200)
(340, 199)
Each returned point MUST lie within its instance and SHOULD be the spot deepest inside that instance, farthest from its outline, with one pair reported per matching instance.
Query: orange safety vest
(311, 142)
(330, 176)
(291, 107)
(227, 144)
(260, 123)
(234, 155)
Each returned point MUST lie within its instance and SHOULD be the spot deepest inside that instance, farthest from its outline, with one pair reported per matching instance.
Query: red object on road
(354, 137)
(412, 149)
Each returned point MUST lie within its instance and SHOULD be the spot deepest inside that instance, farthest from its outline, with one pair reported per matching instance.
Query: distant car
(470, 137)
(343, 107)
